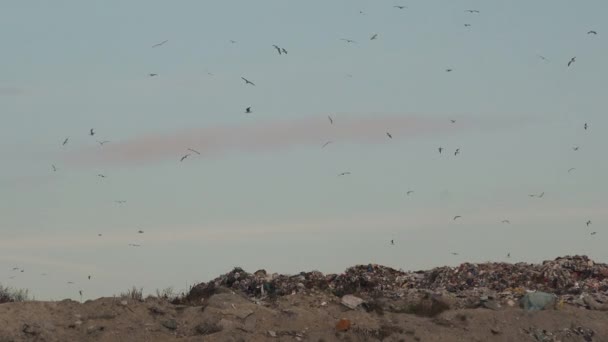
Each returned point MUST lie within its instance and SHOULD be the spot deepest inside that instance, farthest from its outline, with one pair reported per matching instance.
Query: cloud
(259, 137)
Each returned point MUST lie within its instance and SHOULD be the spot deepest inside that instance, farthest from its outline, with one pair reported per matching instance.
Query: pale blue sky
(264, 194)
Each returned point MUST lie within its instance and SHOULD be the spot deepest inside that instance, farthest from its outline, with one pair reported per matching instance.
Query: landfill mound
(569, 277)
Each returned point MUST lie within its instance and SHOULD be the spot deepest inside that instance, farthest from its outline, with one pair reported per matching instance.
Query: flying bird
(452, 121)
(571, 169)
(374, 36)
(572, 60)
(140, 231)
(575, 148)
(344, 174)
(89, 277)
(152, 75)
(472, 11)
(348, 40)
(284, 51)
(98, 234)
(389, 135)
(327, 143)
(70, 282)
(134, 245)
(400, 7)
(457, 217)
(440, 149)
(248, 110)
(409, 192)
(467, 25)
(277, 48)
(195, 151)
(457, 152)
(393, 242)
(588, 223)
(592, 32)
(120, 201)
(506, 221)
(101, 175)
(160, 44)
(91, 132)
(448, 70)
(593, 233)
(247, 81)
(539, 195)
(65, 141)
(54, 168)
(331, 121)
(454, 253)
(543, 58)
(232, 41)
(101, 143)
(585, 126)
(184, 157)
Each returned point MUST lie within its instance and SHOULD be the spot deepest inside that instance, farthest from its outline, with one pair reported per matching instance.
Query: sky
(264, 192)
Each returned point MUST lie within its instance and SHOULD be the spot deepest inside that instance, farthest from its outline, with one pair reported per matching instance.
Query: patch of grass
(134, 294)
(166, 294)
(9, 295)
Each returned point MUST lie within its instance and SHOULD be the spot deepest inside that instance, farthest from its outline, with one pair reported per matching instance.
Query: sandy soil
(228, 316)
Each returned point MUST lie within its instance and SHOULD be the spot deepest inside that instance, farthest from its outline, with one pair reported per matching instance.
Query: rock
(124, 302)
(170, 324)
(272, 333)
(491, 304)
(208, 328)
(343, 325)
(94, 328)
(30, 330)
(594, 305)
(351, 301)
(495, 331)
(538, 301)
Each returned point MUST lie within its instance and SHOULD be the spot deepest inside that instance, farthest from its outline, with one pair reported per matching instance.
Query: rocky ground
(471, 302)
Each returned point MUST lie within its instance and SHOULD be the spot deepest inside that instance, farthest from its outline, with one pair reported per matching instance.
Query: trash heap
(565, 276)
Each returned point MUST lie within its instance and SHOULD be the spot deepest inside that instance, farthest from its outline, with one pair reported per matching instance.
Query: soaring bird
(331, 121)
(374, 36)
(457, 217)
(140, 231)
(400, 7)
(454, 253)
(160, 44)
(472, 11)
(593, 233)
(54, 168)
(543, 58)
(134, 245)
(389, 135)
(232, 41)
(449, 70)
(277, 48)
(195, 151)
(440, 149)
(592, 32)
(327, 143)
(409, 192)
(89, 277)
(588, 223)
(120, 201)
(348, 40)
(344, 173)
(457, 152)
(65, 141)
(467, 25)
(539, 195)
(571, 169)
(91, 132)
(575, 148)
(101, 143)
(506, 221)
(247, 81)
(284, 51)
(508, 255)
(393, 242)
(152, 74)
(101, 175)
(452, 121)
(184, 157)
(585, 126)
(248, 110)
(572, 60)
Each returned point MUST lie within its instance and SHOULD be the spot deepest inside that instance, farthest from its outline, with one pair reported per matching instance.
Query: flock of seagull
(248, 110)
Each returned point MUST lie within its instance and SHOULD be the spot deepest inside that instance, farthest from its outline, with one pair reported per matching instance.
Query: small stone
(343, 325)
(93, 329)
(272, 333)
(170, 324)
(495, 331)
(124, 302)
(511, 303)
(351, 301)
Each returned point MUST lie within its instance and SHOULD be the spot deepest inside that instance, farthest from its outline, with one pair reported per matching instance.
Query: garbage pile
(568, 276)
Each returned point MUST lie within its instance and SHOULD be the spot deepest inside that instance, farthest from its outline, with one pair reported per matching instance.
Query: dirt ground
(228, 316)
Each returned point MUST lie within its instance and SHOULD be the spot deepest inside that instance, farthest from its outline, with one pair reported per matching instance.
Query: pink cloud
(259, 137)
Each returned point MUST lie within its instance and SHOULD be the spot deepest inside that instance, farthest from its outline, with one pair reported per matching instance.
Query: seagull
(593, 233)
(277, 48)
(409, 192)
(467, 25)
(508, 255)
(65, 141)
(247, 81)
(134, 245)
(348, 40)
(232, 41)
(457, 217)
(160, 44)
(592, 32)
(374, 36)
(472, 11)
(585, 126)
(506, 221)
(539, 196)
(448, 70)
(572, 60)
(331, 121)
(89, 277)
(284, 51)
(98, 234)
(101, 143)
(344, 174)
(588, 223)
(152, 75)
(91, 132)
(120, 201)
(571, 169)
(70, 282)
(140, 231)
(54, 168)
(248, 110)
(184, 157)
(575, 148)
(452, 121)
(195, 151)
(327, 143)
(543, 58)
(454, 253)
(440, 149)
(457, 152)
(101, 175)
(400, 7)
(389, 135)
(393, 242)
